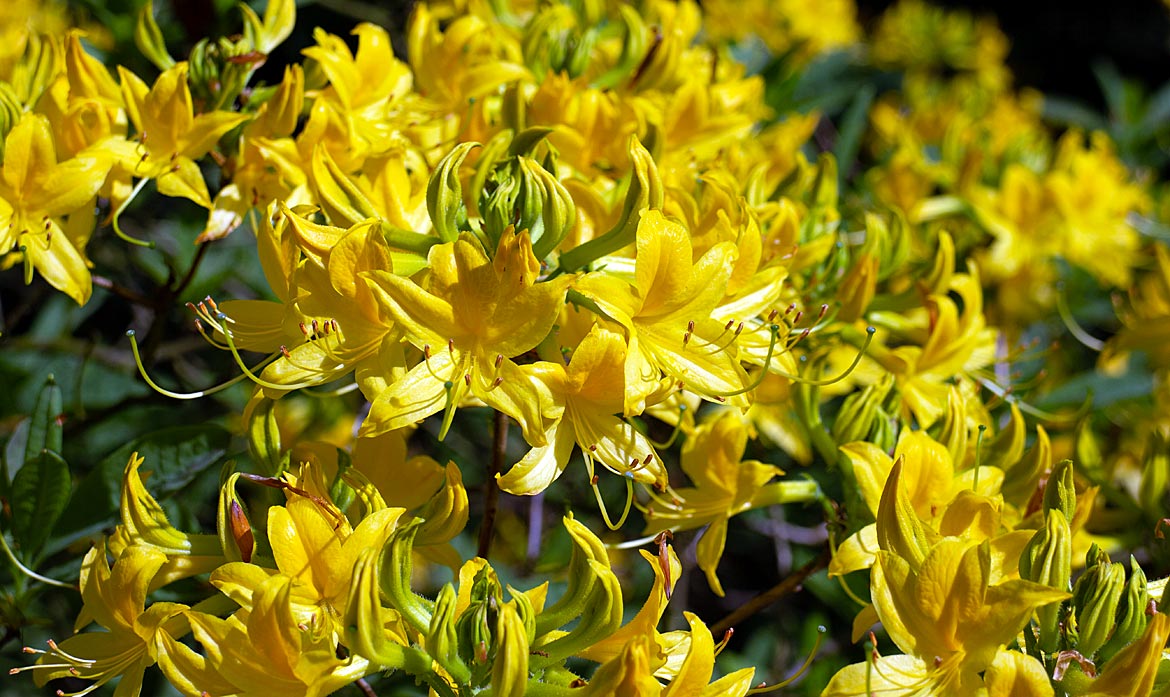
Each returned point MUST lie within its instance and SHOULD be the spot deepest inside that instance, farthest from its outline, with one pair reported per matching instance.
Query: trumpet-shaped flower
(589, 390)
(36, 192)
(470, 319)
(666, 312)
(170, 135)
(263, 651)
(137, 637)
(725, 485)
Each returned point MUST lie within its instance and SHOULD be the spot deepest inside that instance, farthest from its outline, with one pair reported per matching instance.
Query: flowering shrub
(554, 282)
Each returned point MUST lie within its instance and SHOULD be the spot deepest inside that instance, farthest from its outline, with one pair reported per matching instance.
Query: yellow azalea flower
(951, 343)
(631, 671)
(965, 504)
(315, 547)
(364, 88)
(468, 59)
(726, 485)
(269, 166)
(666, 312)
(170, 136)
(942, 601)
(469, 319)
(263, 651)
(327, 315)
(137, 636)
(589, 391)
(144, 523)
(36, 191)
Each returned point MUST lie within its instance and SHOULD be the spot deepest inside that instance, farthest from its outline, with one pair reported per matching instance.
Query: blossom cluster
(594, 221)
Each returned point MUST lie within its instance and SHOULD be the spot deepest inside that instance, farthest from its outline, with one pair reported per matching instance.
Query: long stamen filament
(185, 395)
(799, 671)
(118, 214)
(1088, 340)
(869, 332)
(601, 502)
(29, 572)
(248, 372)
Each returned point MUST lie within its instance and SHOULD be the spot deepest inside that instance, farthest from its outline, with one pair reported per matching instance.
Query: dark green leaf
(40, 491)
(45, 430)
(173, 456)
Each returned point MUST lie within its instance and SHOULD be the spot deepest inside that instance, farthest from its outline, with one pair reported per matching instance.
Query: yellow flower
(170, 135)
(469, 320)
(630, 673)
(666, 312)
(589, 390)
(36, 191)
(137, 636)
(262, 651)
(726, 486)
(315, 547)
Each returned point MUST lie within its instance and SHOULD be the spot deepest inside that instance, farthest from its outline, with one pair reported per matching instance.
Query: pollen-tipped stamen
(869, 332)
(760, 689)
(184, 395)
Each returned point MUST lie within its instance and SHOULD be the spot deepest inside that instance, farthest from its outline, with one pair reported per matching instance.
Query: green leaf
(40, 491)
(174, 456)
(44, 432)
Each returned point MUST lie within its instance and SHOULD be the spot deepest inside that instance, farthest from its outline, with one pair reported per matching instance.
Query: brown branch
(365, 688)
(123, 292)
(789, 585)
(491, 490)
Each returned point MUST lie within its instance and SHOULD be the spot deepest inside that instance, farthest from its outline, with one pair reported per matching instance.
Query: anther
(467, 379)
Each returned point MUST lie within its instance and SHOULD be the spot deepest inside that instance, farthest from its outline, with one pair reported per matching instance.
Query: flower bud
(397, 569)
(235, 531)
(1047, 559)
(476, 626)
(1131, 615)
(1060, 492)
(445, 194)
(510, 667)
(1021, 481)
(1095, 598)
(855, 420)
(219, 70)
(441, 640)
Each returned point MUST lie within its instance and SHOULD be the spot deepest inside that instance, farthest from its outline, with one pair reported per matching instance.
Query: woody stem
(789, 585)
(491, 490)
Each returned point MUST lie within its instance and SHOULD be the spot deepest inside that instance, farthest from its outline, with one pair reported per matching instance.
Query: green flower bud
(263, 433)
(1047, 559)
(855, 420)
(397, 569)
(1095, 598)
(476, 625)
(600, 617)
(445, 194)
(510, 667)
(1131, 615)
(149, 39)
(1060, 493)
(442, 640)
(219, 70)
